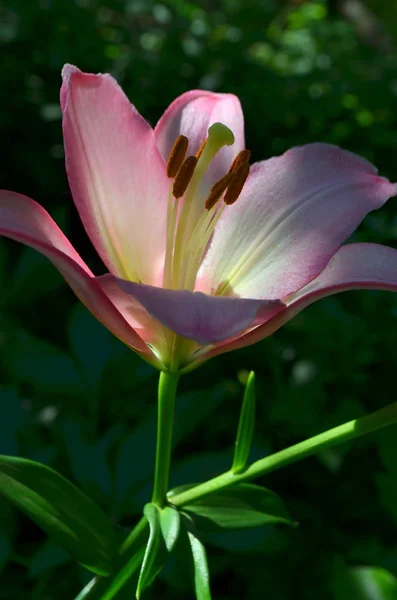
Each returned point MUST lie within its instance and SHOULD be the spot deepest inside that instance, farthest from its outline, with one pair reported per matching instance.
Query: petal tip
(68, 70)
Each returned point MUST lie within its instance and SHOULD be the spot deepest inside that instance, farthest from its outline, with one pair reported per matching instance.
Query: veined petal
(138, 318)
(196, 316)
(116, 174)
(354, 266)
(294, 212)
(191, 114)
(24, 220)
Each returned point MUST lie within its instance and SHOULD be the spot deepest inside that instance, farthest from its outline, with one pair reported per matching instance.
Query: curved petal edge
(361, 266)
(196, 316)
(23, 220)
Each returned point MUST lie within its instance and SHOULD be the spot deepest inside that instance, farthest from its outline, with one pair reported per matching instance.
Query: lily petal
(293, 214)
(109, 148)
(196, 316)
(138, 318)
(354, 266)
(191, 114)
(24, 220)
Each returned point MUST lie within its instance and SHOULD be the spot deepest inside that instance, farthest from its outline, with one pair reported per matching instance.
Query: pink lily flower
(204, 254)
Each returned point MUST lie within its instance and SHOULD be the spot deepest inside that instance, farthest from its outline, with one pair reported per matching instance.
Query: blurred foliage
(74, 398)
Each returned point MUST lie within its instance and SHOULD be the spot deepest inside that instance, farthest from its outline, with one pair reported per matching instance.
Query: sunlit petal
(116, 174)
(294, 212)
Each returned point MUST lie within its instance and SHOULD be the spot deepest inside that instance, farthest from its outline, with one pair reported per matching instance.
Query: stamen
(184, 176)
(241, 158)
(187, 240)
(200, 150)
(217, 190)
(236, 185)
(177, 155)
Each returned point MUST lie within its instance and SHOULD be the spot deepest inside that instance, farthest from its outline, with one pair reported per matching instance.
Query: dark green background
(74, 398)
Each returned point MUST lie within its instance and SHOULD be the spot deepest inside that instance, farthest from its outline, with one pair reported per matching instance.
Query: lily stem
(348, 431)
(168, 383)
(107, 588)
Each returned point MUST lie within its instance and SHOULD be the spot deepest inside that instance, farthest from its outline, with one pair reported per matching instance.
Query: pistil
(218, 136)
(189, 235)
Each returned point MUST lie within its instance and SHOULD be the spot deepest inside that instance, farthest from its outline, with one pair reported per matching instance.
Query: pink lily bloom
(204, 254)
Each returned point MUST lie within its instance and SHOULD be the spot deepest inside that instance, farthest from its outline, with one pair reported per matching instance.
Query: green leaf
(155, 553)
(42, 365)
(201, 572)
(33, 277)
(170, 522)
(91, 342)
(47, 558)
(246, 425)
(12, 418)
(365, 583)
(242, 506)
(164, 527)
(63, 511)
(125, 572)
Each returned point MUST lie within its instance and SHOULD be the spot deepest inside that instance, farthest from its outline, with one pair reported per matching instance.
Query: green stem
(168, 383)
(348, 431)
(106, 588)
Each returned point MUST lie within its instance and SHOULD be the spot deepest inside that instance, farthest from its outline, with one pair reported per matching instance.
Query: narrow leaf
(125, 572)
(246, 425)
(155, 553)
(239, 507)
(170, 522)
(365, 583)
(201, 572)
(74, 521)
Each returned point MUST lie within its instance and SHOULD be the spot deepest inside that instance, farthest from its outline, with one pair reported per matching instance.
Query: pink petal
(24, 220)
(354, 266)
(294, 213)
(116, 174)
(204, 319)
(192, 114)
(133, 312)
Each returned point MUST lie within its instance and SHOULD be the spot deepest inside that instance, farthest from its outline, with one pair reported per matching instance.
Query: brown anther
(177, 155)
(184, 176)
(236, 185)
(200, 150)
(217, 190)
(242, 157)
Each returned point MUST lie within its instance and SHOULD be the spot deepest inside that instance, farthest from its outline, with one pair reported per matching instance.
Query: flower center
(190, 226)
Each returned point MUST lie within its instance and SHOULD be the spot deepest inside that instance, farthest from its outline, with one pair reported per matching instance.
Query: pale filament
(188, 235)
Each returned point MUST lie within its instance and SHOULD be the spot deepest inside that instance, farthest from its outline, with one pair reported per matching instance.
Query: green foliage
(240, 507)
(365, 583)
(170, 522)
(201, 572)
(162, 537)
(59, 508)
(245, 427)
(75, 399)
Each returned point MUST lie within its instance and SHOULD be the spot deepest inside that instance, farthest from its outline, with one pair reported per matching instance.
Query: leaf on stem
(125, 573)
(164, 525)
(170, 522)
(239, 507)
(74, 521)
(201, 572)
(246, 425)
(364, 583)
